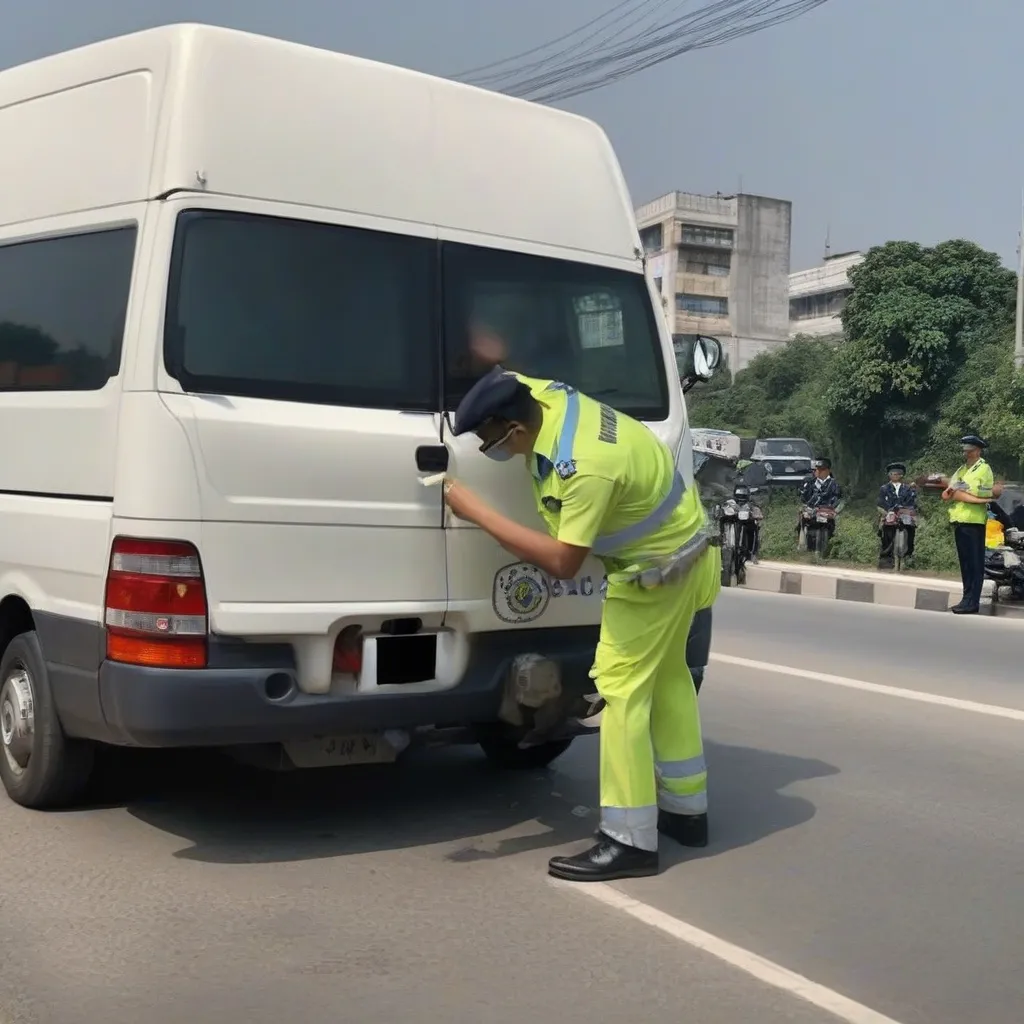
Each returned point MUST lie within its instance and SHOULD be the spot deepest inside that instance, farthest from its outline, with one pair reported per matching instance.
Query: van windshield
(587, 326)
(300, 311)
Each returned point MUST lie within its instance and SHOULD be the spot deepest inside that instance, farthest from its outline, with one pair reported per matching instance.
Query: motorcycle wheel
(820, 544)
(899, 549)
(727, 561)
(900, 544)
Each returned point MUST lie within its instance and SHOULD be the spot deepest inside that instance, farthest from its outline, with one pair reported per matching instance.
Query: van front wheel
(39, 766)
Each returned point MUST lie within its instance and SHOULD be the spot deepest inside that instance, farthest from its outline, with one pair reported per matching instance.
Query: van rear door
(307, 353)
(590, 326)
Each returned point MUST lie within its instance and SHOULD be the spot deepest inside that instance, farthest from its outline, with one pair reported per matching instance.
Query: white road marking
(742, 959)
(994, 710)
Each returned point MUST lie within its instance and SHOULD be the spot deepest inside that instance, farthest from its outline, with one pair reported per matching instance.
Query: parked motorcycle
(739, 528)
(902, 519)
(1004, 565)
(813, 534)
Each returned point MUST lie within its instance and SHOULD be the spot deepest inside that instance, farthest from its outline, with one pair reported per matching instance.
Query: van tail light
(155, 609)
(348, 651)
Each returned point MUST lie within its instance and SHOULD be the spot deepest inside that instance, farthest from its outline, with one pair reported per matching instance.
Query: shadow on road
(233, 815)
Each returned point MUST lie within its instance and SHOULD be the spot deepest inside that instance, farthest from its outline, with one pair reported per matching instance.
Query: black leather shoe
(605, 862)
(685, 829)
(964, 609)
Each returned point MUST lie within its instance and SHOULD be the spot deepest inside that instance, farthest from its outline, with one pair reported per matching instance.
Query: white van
(236, 276)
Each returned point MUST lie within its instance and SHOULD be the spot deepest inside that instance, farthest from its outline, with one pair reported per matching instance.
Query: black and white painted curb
(916, 593)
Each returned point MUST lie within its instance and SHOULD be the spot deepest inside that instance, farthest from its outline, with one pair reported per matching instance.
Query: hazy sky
(880, 118)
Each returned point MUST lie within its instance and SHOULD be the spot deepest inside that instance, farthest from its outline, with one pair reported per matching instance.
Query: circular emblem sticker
(520, 593)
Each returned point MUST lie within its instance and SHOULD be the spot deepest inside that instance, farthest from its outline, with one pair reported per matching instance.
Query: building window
(812, 307)
(652, 239)
(702, 305)
(63, 303)
(709, 264)
(720, 238)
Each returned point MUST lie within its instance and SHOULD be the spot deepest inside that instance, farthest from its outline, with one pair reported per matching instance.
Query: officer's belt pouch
(671, 569)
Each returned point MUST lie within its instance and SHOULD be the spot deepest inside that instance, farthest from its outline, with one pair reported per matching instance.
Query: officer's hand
(462, 501)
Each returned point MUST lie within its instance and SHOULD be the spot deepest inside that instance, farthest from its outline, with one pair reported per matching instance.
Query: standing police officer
(969, 492)
(604, 483)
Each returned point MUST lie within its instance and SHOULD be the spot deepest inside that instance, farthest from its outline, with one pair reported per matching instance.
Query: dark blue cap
(492, 395)
(822, 463)
(896, 467)
(973, 441)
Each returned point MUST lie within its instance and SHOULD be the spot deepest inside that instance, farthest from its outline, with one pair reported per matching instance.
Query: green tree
(909, 323)
(778, 395)
(986, 395)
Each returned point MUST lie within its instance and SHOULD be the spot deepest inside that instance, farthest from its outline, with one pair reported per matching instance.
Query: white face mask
(495, 451)
(498, 454)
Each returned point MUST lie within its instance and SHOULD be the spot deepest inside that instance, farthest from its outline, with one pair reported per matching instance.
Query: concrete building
(817, 296)
(722, 266)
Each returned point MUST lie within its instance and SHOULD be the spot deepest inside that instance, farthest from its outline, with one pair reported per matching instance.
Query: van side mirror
(706, 357)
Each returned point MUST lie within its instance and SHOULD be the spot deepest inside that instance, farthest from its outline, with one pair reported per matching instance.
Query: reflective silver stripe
(676, 803)
(634, 826)
(612, 542)
(681, 769)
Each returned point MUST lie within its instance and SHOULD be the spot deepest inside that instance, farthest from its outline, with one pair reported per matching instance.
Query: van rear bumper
(228, 704)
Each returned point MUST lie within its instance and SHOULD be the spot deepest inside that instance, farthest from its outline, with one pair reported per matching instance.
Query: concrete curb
(922, 594)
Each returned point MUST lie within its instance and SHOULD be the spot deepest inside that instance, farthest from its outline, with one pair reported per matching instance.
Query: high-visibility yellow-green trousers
(652, 753)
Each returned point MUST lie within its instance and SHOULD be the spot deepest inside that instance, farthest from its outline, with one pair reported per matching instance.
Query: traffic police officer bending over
(606, 484)
(969, 493)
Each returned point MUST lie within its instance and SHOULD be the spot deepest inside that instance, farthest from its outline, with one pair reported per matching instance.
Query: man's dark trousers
(970, 550)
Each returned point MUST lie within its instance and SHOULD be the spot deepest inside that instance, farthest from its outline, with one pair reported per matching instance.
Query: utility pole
(1018, 337)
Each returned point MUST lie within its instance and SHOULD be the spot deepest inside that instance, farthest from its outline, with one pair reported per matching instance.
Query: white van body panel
(198, 108)
(307, 517)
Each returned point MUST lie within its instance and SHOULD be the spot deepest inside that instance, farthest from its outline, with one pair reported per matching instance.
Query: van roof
(199, 108)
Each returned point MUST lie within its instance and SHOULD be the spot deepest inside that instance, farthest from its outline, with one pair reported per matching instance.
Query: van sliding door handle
(432, 458)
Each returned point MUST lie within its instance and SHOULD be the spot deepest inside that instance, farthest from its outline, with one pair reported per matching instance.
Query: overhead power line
(629, 37)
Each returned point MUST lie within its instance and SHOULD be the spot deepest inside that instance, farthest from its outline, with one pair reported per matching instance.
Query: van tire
(57, 769)
(503, 752)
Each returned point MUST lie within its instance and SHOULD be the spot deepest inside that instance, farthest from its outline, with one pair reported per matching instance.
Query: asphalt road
(870, 843)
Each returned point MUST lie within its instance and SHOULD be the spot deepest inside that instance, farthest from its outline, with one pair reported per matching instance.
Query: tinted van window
(299, 311)
(63, 303)
(590, 327)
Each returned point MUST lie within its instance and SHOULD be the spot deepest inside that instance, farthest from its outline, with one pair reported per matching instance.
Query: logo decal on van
(521, 593)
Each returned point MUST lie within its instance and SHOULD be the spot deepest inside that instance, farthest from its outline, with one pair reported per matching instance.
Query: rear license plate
(336, 751)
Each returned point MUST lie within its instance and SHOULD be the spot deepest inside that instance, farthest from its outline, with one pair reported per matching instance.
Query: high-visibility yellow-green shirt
(976, 480)
(622, 473)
